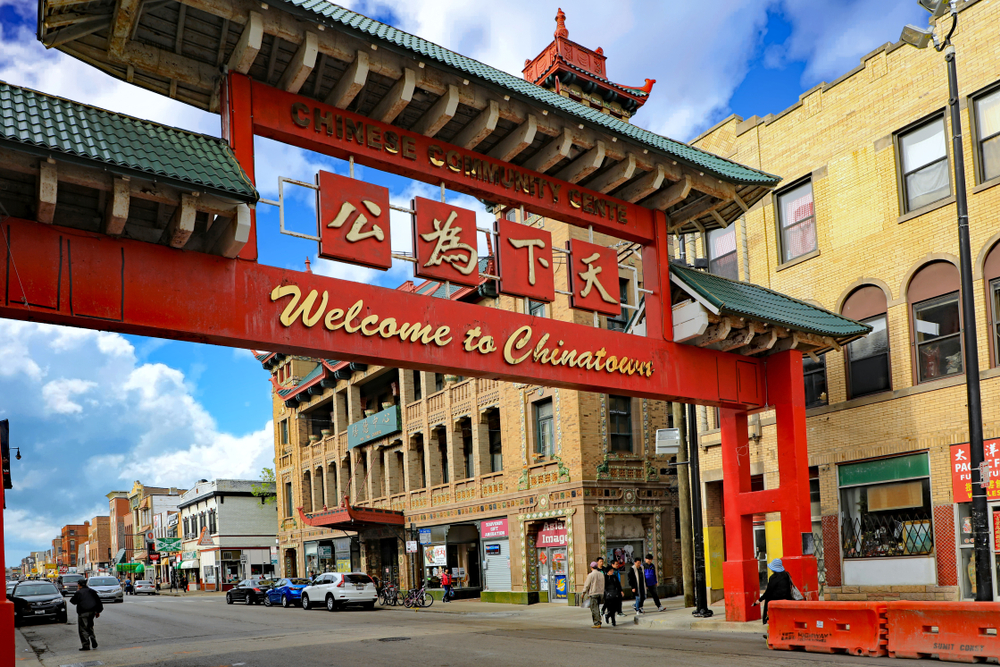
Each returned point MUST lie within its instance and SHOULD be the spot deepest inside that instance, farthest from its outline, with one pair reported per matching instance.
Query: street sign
(154, 557)
(411, 546)
(150, 537)
(668, 441)
(244, 558)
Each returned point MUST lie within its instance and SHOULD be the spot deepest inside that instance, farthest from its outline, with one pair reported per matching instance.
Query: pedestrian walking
(593, 590)
(173, 583)
(446, 585)
(649, 569)
(637, 582)
(613, 594)
(88, 607)
(779, 587)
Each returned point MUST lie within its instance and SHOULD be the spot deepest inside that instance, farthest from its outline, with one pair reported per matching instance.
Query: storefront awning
(120, 556)
(187, 565)
(138, 568)
(346, 517)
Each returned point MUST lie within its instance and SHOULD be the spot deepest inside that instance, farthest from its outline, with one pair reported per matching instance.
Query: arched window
(935, 324)
(868, 358)
(991, 274)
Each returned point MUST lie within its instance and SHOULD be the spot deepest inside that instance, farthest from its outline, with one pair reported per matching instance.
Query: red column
(6, 606)
(656, 277)
(786, 393)
(739, 572)
(237, 129)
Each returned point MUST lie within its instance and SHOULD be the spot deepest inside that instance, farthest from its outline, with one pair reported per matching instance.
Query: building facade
(99, 552)
(228, 529)
(865, 225)
(72, 537)
(145, 503)
(120, 538)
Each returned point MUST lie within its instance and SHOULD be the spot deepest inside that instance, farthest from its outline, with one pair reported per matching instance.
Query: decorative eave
(354, 518)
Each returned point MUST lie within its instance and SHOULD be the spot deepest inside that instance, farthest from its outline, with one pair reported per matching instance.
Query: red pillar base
(6, 630)
(804, 573)
(742, 589)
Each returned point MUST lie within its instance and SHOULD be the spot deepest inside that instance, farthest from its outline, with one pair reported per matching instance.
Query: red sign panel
(493, 528)
(553, 535)
(593, 278)
(961, 473)
(354, 221)
(996, 531)
(444, 242)
(526, 267)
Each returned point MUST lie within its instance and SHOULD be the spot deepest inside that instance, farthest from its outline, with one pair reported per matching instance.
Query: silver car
(145, 586)
(108, 588)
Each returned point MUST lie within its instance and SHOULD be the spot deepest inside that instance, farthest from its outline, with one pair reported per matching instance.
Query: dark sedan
(249, 591)
(37, 599)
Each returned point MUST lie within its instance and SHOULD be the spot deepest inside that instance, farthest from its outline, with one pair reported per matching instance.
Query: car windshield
(73, 578)
(102, 581)
(143, 582)
(357, 579)
(24, 590)
(299, 582)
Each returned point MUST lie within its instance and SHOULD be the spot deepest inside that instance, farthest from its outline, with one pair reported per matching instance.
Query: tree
(266, 490)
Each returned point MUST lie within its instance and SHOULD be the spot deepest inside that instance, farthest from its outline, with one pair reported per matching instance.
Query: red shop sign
(552, 535)
(996, 530)
(493, 528)
(961, 473)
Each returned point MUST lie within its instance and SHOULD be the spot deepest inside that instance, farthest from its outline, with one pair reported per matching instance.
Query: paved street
(202, 631)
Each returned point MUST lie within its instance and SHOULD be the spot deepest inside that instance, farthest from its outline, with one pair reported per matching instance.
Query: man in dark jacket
(649, 569)
(637, 582)
(612, 594)
(88, 607)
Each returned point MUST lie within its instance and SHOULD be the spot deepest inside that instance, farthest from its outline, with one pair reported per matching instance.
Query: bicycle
(388, 595)
(418, 597)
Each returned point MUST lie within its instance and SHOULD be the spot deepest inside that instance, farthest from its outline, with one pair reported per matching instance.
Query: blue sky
(94, 411)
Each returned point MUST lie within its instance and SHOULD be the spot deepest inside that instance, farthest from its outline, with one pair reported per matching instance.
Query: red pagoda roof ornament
(561, 30)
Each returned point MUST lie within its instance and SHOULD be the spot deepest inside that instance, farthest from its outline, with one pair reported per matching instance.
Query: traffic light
(5, 452)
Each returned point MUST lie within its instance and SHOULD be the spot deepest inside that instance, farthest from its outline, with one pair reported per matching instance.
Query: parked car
(146, 586)
(37, 599)
(286, 592)
(69, 583)
(249, 591)
(108, 588)
(339, 589)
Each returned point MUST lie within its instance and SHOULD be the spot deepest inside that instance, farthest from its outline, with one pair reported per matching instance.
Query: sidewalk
(23, 654)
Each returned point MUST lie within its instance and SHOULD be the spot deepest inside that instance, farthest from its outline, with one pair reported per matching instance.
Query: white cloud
(58, 394)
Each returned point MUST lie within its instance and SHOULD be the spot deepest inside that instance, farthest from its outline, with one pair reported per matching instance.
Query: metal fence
(896, 534)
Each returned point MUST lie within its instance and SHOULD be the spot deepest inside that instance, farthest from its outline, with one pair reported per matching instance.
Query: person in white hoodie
(593, 588)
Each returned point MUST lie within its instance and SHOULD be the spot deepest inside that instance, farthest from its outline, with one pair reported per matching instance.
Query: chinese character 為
(447, 238)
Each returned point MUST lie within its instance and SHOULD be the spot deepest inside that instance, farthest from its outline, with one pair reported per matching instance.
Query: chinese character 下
(355, 234)
(447, 241)
(531, 244)
(590, 276)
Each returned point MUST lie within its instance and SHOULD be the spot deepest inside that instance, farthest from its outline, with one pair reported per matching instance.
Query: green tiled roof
(59, 126)
(720, 167)
(764, 305)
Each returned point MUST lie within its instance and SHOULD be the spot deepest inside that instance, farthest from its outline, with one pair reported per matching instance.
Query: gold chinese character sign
(354, 221)
(444, 242)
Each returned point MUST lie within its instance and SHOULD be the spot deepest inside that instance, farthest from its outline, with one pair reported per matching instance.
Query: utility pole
(700, 592)
(684, 504)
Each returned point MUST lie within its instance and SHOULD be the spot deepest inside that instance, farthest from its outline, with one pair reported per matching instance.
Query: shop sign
(436, 555)
(371, 428)
(493, 528)
(552, 535)
(961, 472)
(324, 551)
(354, 221)
(411, 546)
(492, 549)
(168, 544)
(425, 535)
(189, 555)
(996, 531)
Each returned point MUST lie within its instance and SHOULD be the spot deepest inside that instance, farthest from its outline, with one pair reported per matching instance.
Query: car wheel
(331, 605)
(229, 598)
(305, 601)
(285, 602)
(267, 601)
(248, 600)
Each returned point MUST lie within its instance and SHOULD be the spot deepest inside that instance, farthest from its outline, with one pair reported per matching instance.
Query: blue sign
(425, 535)
(377, 426)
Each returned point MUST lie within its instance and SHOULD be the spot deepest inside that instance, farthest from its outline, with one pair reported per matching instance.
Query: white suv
(338, 589)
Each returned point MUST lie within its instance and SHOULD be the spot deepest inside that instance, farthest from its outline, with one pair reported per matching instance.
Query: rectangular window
(288, 499)
(536, 308)
(620, 410)
(544, 428)
(722, 253)
(470, 460)
(939, 345)
(438, 382)
(284, 431)
(995, 295)
(418, 386)
(923, 165)
(496, 448)
(988, 135)
(868, 361)
(814, 374)
(618, 322)
(796, 221)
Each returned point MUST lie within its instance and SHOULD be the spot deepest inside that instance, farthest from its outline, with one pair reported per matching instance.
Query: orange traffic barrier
(955, 631)
(858, 628)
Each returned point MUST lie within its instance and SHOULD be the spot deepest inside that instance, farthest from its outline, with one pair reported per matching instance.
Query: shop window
(987, 118)
(814, 374)
(418, 386)
(922, 155)
(620, 411)
(544, 428)
(936, 321)
(496, 448)
(536, 308)
(886, 508)
(796, 221)
(618, 322)
(722, 253)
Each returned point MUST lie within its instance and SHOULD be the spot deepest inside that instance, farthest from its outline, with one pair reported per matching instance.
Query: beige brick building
(864, 224)
(485, 472)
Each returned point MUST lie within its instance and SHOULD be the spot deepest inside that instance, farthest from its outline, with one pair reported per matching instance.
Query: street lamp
(921, 39)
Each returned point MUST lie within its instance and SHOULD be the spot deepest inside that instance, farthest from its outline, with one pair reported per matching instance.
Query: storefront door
(760, 548)
(557, 575)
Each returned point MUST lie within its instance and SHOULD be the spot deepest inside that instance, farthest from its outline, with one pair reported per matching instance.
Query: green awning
(137, 568)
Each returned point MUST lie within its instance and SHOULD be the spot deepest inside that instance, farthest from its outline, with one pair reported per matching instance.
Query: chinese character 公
(355, 234)
(447, 238)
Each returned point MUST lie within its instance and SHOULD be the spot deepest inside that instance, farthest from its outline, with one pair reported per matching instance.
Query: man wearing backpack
(650, 571)
(446, 585)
